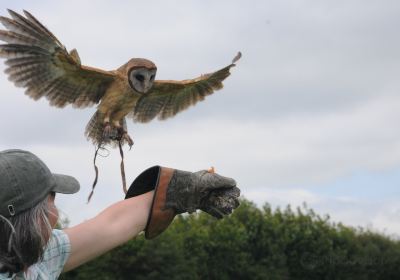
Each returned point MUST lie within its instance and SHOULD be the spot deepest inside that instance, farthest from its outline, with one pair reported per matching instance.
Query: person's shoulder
(56, 254)
(58, 244)
(57, 232)
(58, 238)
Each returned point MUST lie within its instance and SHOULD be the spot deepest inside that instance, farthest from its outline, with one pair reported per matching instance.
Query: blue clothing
(55, 256)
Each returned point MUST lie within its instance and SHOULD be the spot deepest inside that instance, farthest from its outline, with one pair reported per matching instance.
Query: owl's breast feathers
(119, 99)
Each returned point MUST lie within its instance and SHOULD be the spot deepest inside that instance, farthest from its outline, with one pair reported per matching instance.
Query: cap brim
(65, 184)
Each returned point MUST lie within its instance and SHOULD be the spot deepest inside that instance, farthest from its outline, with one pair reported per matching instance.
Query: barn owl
(38, 61)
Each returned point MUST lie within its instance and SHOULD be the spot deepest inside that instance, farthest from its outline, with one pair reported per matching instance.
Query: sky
(309, 115)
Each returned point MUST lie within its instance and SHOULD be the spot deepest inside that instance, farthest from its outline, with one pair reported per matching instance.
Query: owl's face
(141, 79)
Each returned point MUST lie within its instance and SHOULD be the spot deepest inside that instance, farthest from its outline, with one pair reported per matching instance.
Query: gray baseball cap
(25, 181)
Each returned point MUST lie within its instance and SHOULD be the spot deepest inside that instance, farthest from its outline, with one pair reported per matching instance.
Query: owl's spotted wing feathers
(167, 98)
(37, 61)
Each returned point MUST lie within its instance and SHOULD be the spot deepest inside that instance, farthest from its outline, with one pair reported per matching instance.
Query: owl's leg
(109, 132)
(123, 132)
(107, 126)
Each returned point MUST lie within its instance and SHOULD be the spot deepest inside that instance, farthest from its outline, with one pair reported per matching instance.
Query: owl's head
(141, 74)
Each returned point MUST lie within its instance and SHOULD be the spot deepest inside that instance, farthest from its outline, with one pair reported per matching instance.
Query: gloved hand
(179, 191)
(188, 191)
(221, 202)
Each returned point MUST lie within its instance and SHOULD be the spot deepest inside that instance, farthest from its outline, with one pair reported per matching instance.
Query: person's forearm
(127, 218)
(111, 228)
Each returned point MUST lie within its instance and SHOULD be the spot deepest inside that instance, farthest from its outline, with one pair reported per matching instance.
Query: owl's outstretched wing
(167, 98)
(37, 61)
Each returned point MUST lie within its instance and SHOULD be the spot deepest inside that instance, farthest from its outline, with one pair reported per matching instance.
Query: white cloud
(294, 197)
(379, 216)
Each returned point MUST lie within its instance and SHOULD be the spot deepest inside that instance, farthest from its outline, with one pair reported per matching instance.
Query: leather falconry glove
(177, 191)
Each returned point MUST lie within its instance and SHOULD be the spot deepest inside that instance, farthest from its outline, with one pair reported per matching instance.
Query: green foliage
(252, 243)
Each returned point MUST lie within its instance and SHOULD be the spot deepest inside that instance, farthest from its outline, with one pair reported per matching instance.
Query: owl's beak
(147, 87)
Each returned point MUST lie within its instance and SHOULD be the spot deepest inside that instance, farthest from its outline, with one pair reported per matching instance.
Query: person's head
(27, 210)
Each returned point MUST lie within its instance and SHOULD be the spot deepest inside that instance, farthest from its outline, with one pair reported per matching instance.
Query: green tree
(252, 243)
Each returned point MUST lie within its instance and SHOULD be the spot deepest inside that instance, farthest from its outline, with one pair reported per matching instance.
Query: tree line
(252, 243)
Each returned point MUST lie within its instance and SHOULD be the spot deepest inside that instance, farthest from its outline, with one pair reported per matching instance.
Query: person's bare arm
(114, 226)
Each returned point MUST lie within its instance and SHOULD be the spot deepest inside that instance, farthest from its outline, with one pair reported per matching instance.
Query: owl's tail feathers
(95, 129)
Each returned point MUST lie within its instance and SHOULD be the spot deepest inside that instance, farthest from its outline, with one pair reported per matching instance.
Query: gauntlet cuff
(156, 178)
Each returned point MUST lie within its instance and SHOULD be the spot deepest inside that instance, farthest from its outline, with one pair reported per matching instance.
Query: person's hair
(23, 238)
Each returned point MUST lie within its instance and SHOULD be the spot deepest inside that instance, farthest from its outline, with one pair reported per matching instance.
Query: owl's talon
(123, 135)
(128, 139)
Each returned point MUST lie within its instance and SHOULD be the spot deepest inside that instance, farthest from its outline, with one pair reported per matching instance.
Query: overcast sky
(310, 114)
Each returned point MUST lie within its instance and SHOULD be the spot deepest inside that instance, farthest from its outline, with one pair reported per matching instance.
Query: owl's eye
(139, 77)
(152, 77)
